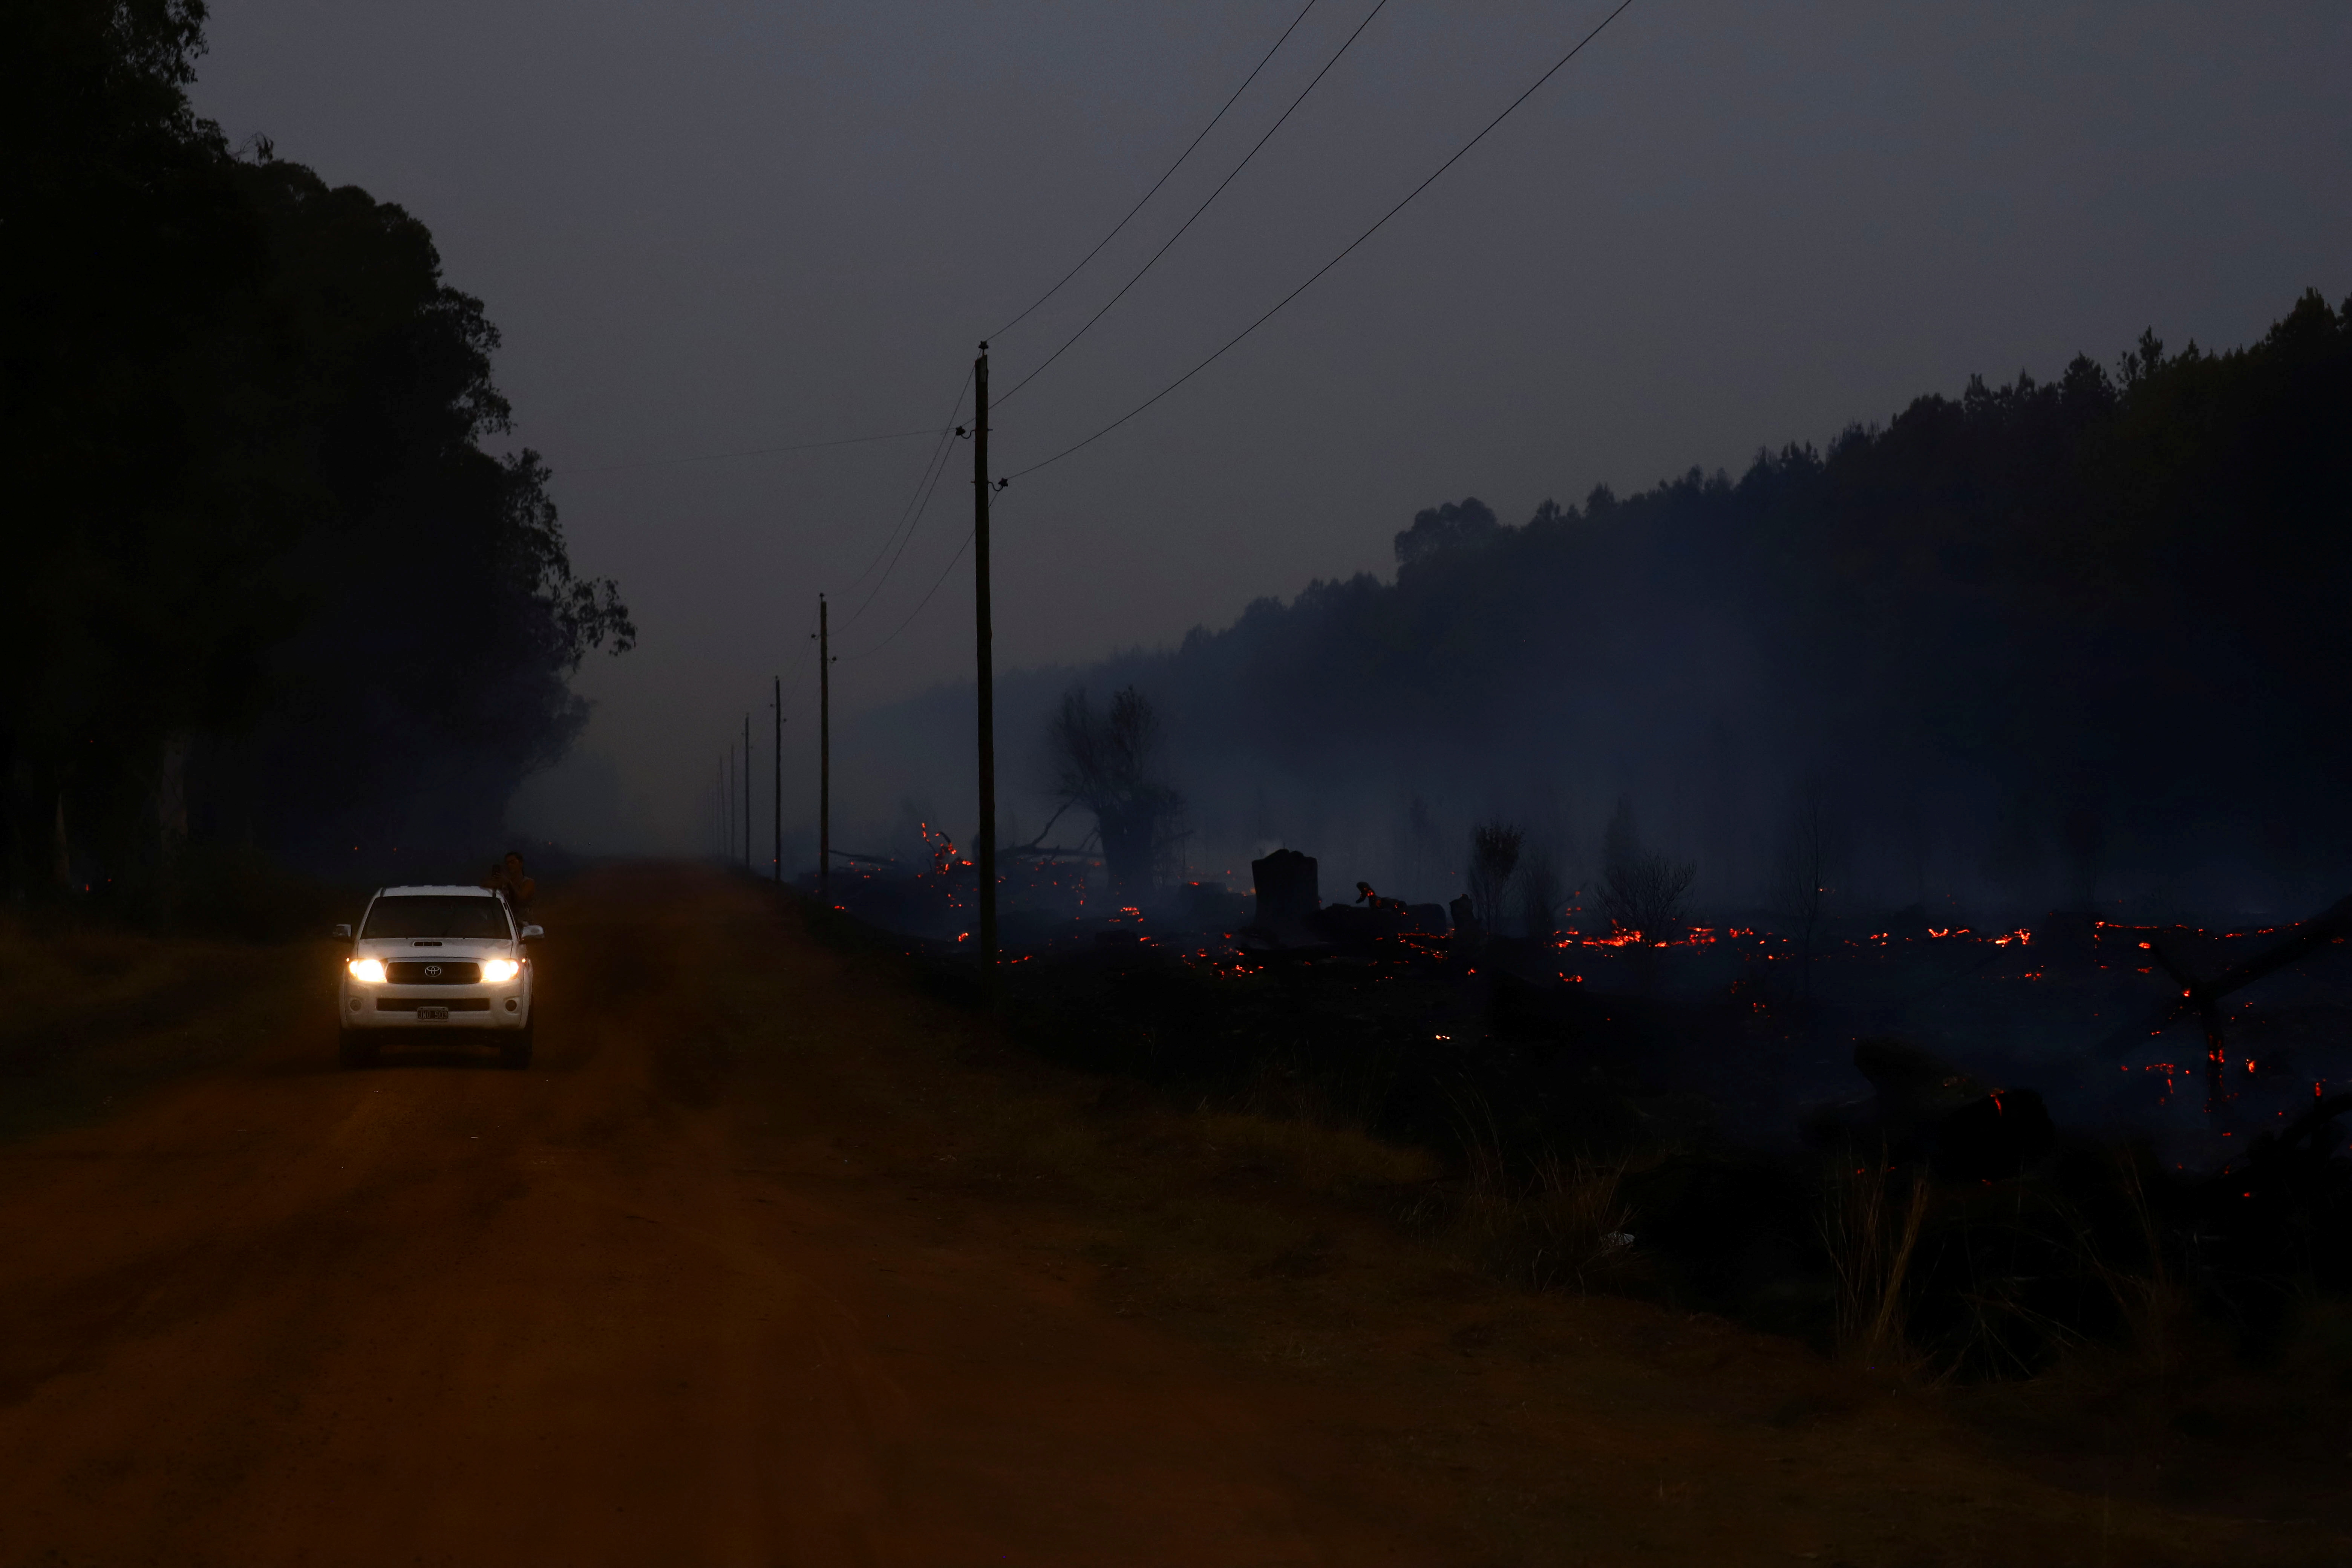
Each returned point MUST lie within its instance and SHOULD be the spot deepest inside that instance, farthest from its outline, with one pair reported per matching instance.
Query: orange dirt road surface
(682, 1294)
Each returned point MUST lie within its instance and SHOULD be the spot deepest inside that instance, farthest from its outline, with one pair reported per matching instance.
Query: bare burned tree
(1539, 895)
(1107, 764)
(1494, 856)
(1642, 892)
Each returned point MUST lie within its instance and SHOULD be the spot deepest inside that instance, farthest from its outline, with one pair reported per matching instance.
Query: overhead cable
(922, 506)
(1163, 179)
(1173, 239)
(926, 599)
(922, 480)
(754, 452)
(1318, 272)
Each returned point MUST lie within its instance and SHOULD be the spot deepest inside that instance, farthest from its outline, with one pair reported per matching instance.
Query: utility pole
(979, 492)
(746, 792)
(779, 706)
(824, 755)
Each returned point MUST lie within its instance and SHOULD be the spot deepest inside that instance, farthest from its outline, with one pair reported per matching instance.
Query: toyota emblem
(432, 972)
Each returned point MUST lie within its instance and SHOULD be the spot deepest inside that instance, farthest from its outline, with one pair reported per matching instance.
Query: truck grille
(411, 1004)
(432, 972)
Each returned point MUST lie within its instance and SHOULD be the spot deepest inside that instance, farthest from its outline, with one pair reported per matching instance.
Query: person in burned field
(508, 878)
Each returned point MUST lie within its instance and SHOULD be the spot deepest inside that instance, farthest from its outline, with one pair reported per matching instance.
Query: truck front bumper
(424, 1007)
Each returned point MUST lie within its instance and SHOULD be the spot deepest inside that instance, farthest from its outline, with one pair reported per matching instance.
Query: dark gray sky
(706, 225)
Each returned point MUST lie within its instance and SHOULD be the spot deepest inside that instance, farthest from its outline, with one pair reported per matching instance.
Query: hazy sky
(707, 226)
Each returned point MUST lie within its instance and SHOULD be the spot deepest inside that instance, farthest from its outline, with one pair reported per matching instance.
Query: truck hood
(462, 948)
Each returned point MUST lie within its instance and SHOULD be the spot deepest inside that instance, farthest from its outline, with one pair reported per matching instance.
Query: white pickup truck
(443, 965)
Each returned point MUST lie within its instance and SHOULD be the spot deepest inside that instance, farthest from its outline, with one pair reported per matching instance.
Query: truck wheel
(515, 1052)
(357, 1050)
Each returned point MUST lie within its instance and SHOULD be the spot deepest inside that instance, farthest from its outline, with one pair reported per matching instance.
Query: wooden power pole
(823, 754)
(987, 673)
(746, 792)
(779, 706)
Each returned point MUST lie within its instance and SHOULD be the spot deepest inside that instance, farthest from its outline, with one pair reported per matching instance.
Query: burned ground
(2034, 1093)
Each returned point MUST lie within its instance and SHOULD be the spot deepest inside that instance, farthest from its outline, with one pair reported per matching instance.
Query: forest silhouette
(267, 591)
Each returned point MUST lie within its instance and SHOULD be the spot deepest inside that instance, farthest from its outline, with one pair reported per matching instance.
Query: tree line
(2053, 641)
(267, 589)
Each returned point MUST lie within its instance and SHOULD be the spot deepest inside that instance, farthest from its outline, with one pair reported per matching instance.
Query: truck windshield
(437, 914)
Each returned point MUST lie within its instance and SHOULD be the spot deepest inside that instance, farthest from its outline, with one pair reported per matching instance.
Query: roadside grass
(1281, 1230)
(1273, 1178)
(1181, 1196)
(92, 1015)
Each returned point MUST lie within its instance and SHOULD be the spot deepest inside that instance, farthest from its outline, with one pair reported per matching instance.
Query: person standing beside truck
(508, 878)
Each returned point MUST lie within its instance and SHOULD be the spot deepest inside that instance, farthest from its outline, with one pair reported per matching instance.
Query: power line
(756, 452)
(926, 599)
(947, 432)
(1163, 179)
(1188, 222)
(1555, 69)
(923, 507)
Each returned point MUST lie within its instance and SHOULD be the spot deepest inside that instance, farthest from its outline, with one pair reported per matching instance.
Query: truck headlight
(495, 970)
(367, 971)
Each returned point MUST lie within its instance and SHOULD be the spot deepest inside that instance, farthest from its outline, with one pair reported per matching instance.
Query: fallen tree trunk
(2204, 997)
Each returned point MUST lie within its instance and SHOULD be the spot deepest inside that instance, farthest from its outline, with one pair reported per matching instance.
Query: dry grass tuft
(1872, 1216)
(1549, 1225)
(1317, 1157)
(2159, 1311)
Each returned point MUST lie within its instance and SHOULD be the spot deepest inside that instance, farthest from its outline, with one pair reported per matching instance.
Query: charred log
(1961, 1128)
(2202, 998)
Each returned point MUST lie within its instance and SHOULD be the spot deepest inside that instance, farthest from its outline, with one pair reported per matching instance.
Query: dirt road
(614, 1310)
(682, 1294)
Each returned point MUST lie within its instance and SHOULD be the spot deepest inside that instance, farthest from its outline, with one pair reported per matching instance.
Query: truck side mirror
(532, 933)
(342, 933)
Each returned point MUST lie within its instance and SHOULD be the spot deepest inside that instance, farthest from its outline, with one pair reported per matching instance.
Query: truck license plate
(425, 1013)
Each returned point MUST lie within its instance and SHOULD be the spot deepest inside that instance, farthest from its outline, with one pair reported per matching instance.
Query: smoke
(1988, 657)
